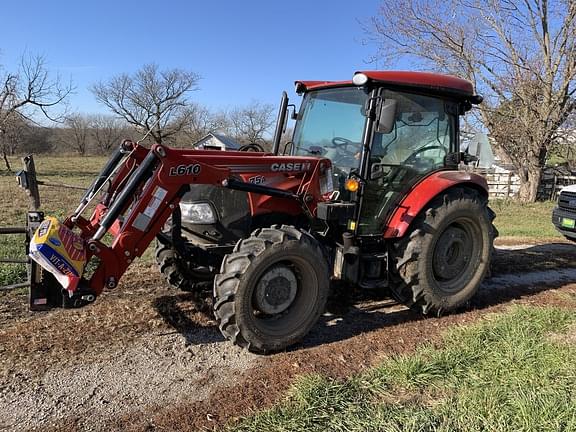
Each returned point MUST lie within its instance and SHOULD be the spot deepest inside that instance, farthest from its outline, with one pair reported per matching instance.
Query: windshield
(330, 124)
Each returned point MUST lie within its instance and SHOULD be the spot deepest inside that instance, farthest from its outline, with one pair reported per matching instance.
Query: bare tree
(151, 99)
(252, 122)
(15, 128)
(565, 146)
(521, 54)
(199, 121)
(107, 132)
(30, 91)
(76, 133)
(12, 137)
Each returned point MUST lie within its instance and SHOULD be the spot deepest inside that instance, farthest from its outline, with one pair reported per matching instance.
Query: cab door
(424, 133)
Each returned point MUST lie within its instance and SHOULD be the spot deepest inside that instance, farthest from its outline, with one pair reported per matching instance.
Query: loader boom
(146, 185)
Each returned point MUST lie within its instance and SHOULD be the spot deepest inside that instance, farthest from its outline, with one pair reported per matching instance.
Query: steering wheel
(252, 147)
(338, 142)
(412, 157)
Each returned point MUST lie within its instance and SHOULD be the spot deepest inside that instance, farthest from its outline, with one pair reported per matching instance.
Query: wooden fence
(552, 182)
(506, 184)
(502, 185)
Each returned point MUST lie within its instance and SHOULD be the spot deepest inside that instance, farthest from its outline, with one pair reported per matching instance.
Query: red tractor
(367, 194)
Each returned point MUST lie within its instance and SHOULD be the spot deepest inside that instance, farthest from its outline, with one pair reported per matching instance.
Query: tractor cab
(385, 130)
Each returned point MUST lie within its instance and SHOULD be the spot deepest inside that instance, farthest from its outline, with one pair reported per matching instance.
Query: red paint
(421, 80)
(423, 192)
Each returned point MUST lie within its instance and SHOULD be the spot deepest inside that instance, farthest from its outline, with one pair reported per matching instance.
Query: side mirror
(294, 114)
(386, 116)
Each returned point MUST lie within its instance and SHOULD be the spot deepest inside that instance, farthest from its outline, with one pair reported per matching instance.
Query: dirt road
(144, 357)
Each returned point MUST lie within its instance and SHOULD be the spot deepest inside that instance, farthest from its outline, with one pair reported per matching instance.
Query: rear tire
(271, 289)
(446, 254)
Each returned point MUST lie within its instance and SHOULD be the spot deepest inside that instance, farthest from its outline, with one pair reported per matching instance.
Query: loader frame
(142, 186)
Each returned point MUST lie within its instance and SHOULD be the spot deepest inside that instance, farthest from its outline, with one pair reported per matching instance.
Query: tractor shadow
(359, 312)
(191, 318)
(363, 313)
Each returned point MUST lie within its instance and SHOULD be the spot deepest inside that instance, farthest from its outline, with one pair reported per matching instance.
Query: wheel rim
(284, 296)
(276, 290)
(455, 255)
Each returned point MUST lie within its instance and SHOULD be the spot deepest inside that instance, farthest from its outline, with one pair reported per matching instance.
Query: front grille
(567, 201)
(568, 194)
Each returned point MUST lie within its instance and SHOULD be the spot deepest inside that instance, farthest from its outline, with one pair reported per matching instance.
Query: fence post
(32, 186)
(38, 294)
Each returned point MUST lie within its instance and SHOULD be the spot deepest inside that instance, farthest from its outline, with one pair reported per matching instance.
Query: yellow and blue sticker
(58, 249)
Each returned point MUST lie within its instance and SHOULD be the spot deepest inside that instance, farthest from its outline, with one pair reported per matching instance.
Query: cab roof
(427, 82)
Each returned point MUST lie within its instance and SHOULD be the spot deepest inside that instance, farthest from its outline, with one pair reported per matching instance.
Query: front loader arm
(147, 185)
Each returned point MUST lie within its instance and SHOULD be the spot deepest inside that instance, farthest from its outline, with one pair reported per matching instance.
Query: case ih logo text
(184, 170)
(290, 166)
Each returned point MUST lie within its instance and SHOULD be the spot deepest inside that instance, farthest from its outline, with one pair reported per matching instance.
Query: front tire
(271, 289)
(446, 254)
(179, 272)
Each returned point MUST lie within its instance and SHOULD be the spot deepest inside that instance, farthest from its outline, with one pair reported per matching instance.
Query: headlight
(198, 213)
(326, 183)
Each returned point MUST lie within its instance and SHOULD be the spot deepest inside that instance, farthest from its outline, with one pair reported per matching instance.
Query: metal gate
(27, 180)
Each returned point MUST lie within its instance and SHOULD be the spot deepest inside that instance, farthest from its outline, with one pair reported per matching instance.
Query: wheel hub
(276, 290)
(452, 253)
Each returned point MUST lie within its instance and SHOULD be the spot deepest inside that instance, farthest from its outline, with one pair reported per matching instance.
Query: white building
(216, 141)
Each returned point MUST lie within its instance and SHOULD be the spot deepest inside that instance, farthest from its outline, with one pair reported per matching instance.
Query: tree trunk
(6, 161)
(529, 182)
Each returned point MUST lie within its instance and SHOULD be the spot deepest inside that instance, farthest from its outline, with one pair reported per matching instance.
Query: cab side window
(421, 135)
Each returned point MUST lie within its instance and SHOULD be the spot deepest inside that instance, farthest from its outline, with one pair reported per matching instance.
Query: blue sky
(244, 50)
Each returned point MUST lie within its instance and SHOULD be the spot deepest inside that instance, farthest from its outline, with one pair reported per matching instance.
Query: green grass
(516, 219)
(11, 247)
(510, 372)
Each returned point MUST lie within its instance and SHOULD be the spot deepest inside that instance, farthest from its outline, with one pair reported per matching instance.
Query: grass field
(531, 220)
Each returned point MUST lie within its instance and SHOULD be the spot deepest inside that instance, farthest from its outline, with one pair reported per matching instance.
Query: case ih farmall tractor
(367, 195)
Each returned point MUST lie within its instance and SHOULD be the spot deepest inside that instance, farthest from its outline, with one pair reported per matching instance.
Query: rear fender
(424, 192)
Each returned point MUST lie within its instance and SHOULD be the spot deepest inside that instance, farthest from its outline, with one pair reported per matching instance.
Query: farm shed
(217, 141)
